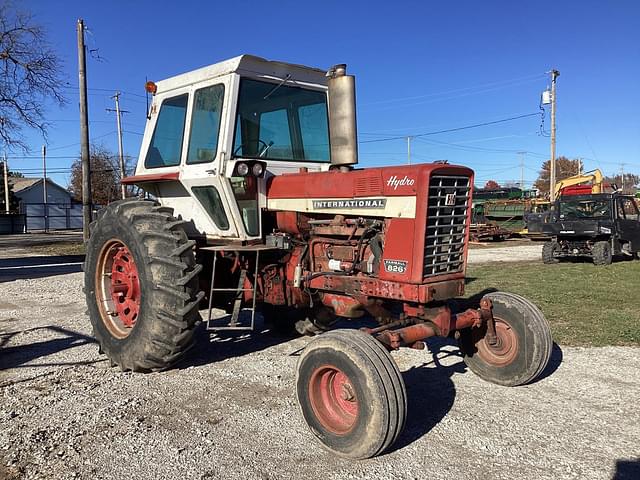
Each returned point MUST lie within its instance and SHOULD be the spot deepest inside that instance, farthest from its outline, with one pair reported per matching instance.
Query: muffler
(343, 135)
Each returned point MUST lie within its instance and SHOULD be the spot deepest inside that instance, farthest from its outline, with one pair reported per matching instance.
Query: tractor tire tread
(168, 261)
(159, 235)
(171, 282)
(190, 275)
(182, 248)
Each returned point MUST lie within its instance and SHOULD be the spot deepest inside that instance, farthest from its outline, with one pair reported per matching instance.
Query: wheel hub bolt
(347, 392)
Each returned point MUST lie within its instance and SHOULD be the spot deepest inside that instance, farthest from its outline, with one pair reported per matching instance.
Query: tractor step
(226, 323)
(234, 321)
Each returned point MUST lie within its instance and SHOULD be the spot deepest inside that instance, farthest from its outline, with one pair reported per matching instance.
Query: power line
(472, 148)
(110, 90)
(503, 83)
(456, 129)
(78, 143)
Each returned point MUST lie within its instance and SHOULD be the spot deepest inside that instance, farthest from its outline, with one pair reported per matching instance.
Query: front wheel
(549, 252)
(523, 346)
(602, 254)
(351, 393)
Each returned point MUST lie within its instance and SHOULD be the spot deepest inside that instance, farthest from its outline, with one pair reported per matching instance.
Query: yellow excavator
(593, 179)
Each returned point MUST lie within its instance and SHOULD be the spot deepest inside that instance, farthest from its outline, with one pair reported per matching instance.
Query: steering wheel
(263, 151)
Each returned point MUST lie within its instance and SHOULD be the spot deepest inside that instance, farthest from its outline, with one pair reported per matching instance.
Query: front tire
(351, 393)
(524, 342)
(141, 285)
(549, 250)
(601, 253)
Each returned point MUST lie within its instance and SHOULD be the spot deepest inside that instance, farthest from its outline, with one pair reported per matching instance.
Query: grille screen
(448, 206)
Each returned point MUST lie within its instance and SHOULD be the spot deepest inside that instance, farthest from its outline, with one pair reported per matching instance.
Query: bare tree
(629, 183)
(565, 168)
(30, 75)
(105, 176)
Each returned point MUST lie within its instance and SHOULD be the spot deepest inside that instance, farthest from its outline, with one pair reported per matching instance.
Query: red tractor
(253, 202)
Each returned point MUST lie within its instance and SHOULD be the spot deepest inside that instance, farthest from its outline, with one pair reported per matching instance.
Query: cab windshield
(280, 122)
(584, 208)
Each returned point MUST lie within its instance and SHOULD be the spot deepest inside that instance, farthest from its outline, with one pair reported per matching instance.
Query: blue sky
(420, 67)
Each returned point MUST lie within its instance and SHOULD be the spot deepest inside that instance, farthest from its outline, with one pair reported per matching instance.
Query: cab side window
(205, 124)
(165, 148)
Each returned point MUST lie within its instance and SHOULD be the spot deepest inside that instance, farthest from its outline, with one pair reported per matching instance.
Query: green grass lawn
(584, 304)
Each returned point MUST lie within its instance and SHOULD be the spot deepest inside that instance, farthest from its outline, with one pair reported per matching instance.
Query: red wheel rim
(506, 348)
(118, 289)
(333, 399)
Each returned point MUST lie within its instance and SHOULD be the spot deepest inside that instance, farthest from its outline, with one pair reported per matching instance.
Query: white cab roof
(248, 65)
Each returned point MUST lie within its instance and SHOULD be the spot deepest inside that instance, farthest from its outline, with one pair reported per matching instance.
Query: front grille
(447, 210)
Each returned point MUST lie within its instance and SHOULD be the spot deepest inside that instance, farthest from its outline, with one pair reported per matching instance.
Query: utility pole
(45, 208)
(6, 185)
(580, 166)
(84, 132)
(408, 150)
(44, 172)
(123, 188)
(552, 176)
(622, 175)
(522, 156)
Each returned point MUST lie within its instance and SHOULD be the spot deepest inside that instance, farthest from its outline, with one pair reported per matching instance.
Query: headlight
(605, 230)
(242, 169)
(257, 170)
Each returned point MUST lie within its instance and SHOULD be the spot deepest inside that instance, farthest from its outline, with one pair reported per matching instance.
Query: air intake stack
(343, 133)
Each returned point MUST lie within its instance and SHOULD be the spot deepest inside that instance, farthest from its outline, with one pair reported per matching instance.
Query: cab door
(628, 222)
(201, 170)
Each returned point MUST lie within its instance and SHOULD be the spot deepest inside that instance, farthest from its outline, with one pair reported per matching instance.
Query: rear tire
(548, 252)
(601, 253)
(524, 347)
(351, 393)
(141, 285)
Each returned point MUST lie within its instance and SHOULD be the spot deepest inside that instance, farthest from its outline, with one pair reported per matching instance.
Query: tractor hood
(388, 192)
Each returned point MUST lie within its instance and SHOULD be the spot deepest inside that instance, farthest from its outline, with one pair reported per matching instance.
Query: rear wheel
(351, 393)
(523, 346)
(601, 253)
(141, 285)
(549, 251)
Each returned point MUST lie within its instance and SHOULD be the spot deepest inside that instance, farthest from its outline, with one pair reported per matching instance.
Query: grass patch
(584, 304)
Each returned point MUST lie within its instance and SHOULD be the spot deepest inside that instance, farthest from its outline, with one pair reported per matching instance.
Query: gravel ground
(229, 410)
(520, 253)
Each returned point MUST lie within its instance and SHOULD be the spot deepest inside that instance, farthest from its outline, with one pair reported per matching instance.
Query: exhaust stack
(343, 134)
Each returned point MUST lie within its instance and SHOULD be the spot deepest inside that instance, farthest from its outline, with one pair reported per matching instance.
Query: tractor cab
(216, 134)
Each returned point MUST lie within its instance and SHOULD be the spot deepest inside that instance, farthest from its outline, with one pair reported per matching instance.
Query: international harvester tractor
(254, 203)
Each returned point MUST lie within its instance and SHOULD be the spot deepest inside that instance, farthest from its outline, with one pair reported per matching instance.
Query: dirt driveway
(229, 410)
